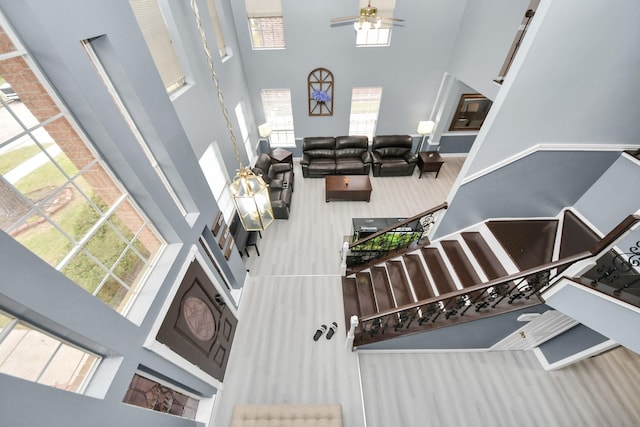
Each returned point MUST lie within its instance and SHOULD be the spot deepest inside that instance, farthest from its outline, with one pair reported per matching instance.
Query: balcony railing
(394, 240)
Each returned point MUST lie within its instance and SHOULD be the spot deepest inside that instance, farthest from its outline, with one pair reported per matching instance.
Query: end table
(280, 155)
(429, 161)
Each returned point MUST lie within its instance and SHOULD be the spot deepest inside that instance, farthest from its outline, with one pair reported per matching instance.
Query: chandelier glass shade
(251, 197)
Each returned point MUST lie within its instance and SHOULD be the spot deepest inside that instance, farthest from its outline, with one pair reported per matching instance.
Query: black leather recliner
(318, 156)
(392, 155)
(279, 177)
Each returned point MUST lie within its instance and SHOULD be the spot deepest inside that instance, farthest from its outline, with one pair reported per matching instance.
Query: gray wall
(409, 71)
(479, 334)
(52, 32)
(571, 342)
(540, 184)
(570, 85)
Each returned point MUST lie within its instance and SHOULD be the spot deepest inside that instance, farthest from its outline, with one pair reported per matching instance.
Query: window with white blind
(244, 131)
(266, 24)
(223, 50)
(378, 35)
(212, 166)
(154, 30)
(365, 104)
(279, 114)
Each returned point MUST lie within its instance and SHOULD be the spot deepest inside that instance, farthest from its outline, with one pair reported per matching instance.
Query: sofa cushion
(318, 142)
(320, 154)
(263, 162)
(351, 166)
(392, 151)
(350, 152)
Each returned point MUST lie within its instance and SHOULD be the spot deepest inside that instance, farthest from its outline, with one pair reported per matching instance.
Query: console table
(429, 161)
(347, 187)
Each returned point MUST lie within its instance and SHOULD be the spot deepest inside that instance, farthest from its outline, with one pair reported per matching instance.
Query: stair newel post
(352, 332)
(343, 258)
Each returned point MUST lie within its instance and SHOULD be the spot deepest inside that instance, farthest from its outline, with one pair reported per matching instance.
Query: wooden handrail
(615, 234)
(605, 242)
(443, 205)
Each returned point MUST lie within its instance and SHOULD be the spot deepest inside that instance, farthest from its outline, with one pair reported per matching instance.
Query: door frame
(163, 350)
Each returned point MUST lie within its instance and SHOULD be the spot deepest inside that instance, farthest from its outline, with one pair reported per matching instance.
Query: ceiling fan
(367, 19)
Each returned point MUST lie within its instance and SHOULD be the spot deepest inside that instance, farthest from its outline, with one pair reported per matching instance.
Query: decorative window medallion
(320, 85)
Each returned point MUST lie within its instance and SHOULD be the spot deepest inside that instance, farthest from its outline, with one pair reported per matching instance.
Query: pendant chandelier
(249, 192)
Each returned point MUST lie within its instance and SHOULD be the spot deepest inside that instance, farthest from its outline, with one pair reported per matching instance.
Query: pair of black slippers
(321, 330)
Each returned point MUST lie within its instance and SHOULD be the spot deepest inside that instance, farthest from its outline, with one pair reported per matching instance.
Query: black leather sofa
(280, 178)
(342, 155)
(392, 156)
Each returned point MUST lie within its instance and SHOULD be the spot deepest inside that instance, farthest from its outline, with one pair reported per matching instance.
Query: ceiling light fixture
(249, 192)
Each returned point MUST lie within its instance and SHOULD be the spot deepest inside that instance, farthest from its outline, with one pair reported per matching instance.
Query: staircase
(496, 267)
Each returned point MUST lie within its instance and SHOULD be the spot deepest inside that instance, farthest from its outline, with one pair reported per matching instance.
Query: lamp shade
(265, 130)
(426, 127)
(251, 196)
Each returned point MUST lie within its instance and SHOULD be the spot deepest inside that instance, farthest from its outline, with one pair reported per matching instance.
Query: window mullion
(74, 251)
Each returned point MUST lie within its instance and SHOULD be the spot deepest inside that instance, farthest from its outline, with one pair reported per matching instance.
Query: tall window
(223, 50)
(365, 104)
(244, 131)
(59, 200)
(33, 355)
(154, 30)
(217, 177)
(266, 24)
(279, 114)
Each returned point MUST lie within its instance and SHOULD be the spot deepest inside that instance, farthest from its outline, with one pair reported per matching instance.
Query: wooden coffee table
(355, 188)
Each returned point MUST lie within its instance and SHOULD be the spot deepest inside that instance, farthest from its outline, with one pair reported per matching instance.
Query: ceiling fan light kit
(367, 20)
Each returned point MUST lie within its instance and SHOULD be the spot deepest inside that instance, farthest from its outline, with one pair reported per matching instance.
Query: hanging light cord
(216, 81)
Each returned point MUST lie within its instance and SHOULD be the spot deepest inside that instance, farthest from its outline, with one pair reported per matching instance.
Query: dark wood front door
(199, 326)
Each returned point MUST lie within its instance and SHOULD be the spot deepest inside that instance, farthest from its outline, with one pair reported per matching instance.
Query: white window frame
(213, 167)
(153, 25)
(266, 24)
(244, 131)
(365, 106)
(13, 327)
(223, 49)
(278, 113)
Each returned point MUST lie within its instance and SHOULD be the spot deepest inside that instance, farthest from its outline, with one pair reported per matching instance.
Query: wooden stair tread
(528, 242)
(398, 281)
(366, 299)
(489, 262)
(381, 288)
(418, 277)
(350, 300)
(576, 236)
(460, 262)
(441, 277)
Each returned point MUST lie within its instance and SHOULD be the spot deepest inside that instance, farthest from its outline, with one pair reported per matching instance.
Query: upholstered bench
(287, 416)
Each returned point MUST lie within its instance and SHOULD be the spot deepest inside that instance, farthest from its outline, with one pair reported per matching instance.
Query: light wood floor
(294, 286)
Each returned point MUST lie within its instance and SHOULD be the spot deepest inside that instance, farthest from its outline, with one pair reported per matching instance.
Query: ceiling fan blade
(388, 18)
(344, 18)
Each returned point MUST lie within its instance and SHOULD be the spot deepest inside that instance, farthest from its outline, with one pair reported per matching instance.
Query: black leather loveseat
(342, 155)
(392, 155)
(280, 178)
